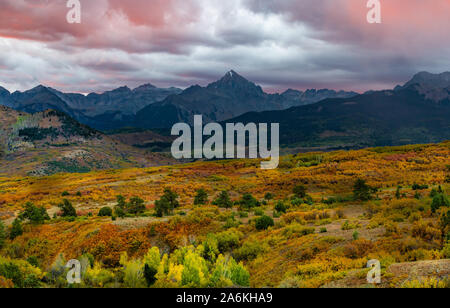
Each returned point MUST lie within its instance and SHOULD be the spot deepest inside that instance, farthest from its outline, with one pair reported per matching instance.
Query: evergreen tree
(264, 222)
(248, 202)
(36, 215)
(299, 191)
(223, 200)
(67, 209)
(119, 208)
(362, 191)
(281, 207)
(172, 198)
(439, 201)
(201, 198)
(16, 229)
(162, 207)
(135, 206)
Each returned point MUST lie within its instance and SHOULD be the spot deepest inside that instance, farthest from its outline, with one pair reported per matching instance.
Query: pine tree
(67, 209)
(299, 191)
(201, 198)
(16, 229)
(223, 200)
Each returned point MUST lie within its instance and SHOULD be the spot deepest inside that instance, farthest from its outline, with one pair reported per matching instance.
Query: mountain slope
(50, 142)
(39, 99)
(228, 97)
(403, 116)
(91, 109)
(435, 87)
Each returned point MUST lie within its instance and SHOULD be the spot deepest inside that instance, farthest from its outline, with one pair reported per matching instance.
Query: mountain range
(417, 112)
(44, 122)
(150, 107)
(231, 96)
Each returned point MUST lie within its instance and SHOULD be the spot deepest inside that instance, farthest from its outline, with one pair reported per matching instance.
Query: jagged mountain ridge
(230, 96)
(226, 98)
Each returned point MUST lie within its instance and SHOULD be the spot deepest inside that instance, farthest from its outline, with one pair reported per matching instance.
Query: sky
(278, 44)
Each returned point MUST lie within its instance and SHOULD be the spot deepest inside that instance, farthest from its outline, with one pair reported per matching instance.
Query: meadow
(314, 222)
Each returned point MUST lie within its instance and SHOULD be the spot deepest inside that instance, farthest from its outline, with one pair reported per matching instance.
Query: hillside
(306, 224)
(406, 115)
(50, 142)
(145, 139)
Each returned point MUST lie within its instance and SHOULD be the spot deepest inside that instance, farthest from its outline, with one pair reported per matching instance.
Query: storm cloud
(279, 44)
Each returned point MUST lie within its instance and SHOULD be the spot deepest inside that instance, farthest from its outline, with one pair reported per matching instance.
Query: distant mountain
(228, 97)
(150, 107)
(406, 115)
(50, 142)
(125, 100)
(121, 103)
(39, 99)
(5, 98)
(435, 87)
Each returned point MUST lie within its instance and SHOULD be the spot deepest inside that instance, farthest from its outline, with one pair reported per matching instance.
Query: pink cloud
(405, 23)
(132, 25)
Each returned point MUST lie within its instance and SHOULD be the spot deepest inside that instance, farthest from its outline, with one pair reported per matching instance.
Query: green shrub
(248, 251)
(362, 191)
(33, 260)
(135, 206)
(268, 196)
(228, 240)
(446, 251)
(223, 200)
(210, 248)
(248, 202)
(419, 187)
(21, 279)
(299, 191)
(264, 222)
(16, 229)
(231, 222)
(259, 212)
(119, 212)
(105, 212)
(281, 207)
(36, 215)
(243, 214)
(201, 197)
(167, 203)
(349, 226)
(67, 210)
(323, 230)
(296, 201)
(440, 200)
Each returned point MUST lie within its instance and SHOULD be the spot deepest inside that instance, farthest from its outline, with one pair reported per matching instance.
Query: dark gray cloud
(279, 44)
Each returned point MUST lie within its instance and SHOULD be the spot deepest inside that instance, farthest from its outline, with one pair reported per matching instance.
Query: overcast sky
(278, 44)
